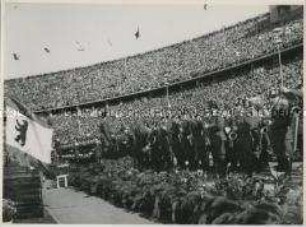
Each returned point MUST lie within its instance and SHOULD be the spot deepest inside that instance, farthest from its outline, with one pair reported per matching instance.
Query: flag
(27, 137)
(47, 50)
(109, 42)
(79, 46)
(137, 34)
(16, 56)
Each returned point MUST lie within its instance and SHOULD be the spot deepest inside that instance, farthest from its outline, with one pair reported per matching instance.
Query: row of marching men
(246, 141)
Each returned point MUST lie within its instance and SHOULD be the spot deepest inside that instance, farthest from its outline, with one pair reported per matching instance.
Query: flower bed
(186, 197)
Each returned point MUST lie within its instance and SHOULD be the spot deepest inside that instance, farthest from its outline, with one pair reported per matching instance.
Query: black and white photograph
(131, 112)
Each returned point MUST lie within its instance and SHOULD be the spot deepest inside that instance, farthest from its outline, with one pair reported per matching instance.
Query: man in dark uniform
(231, 151)
(175, 143)
(98, 151)
(296, 99)
(194, 138)
(201, 156)
(104, 137)
(282, 134)
(114, 146)
(247, 124)
(164, 146)
(155, 149)
(125, 142)
(260, 140)
(57, 150)
(187, 151)
(141, 150)
(204, 156)
(218, 139)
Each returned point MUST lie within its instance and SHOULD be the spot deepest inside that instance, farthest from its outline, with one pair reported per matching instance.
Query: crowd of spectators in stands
(82, 126)
(226, 47)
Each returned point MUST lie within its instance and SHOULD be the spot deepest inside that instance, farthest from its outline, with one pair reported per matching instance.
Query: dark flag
(79, 46)
(109, 42)
(137, 34)
(46, 49)
(16, 56)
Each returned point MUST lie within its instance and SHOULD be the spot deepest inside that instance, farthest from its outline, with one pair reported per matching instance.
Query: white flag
(27, 133)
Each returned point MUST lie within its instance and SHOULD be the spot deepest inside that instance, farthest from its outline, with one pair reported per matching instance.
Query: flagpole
(79, 124)
(278, 42)
(280, 65)
(79, 114)
(125, 70)
(167, 93)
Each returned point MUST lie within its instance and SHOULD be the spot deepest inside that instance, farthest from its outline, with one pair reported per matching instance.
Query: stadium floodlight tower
(278, 40)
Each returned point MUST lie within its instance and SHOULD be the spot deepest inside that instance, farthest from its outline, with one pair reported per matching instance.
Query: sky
(81, 35)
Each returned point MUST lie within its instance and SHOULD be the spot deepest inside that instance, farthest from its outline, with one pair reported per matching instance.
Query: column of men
(245, 140)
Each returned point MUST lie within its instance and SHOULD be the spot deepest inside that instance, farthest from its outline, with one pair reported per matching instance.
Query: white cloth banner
(28, 135)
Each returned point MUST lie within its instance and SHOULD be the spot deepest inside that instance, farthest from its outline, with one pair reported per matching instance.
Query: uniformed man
(231, 149)
(201, 156)
(204, 157)
(282, 135)
(194, 140)
(155, 149)
(57, 150)
(104, 138)
(98, 151)
(218, 139)
(186, 143)
(247, 128)
(175, 143)
(296, 98)
(125, 141)
(164, 147)
(140, 150)
(258, 120)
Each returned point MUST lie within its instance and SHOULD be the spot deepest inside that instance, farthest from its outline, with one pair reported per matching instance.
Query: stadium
(167, 133)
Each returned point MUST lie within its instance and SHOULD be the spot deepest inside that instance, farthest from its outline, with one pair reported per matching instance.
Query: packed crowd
(226, 47)
(82, 126)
